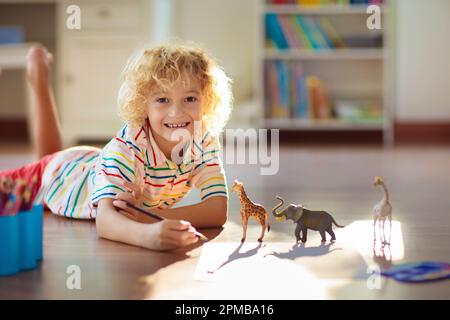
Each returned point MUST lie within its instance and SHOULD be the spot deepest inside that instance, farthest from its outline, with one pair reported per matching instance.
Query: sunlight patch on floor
(359, 236)
(278, 270)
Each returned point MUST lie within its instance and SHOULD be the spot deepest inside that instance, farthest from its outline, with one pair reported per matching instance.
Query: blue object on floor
(419, 271)
(9, 245)
(21, 241)
(11, 35)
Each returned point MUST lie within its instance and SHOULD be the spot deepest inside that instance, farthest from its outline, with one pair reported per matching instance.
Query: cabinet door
(91, 78)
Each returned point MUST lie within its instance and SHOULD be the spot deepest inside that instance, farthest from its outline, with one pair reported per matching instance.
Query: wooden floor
(336, 179)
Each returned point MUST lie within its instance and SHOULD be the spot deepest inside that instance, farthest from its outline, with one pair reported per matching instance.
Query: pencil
(34, 191)
(26, 198)
(10, 208)
(15, 202)
(6, 188)
(155, 216)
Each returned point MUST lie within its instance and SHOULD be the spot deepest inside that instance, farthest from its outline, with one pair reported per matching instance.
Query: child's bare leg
(46, 128)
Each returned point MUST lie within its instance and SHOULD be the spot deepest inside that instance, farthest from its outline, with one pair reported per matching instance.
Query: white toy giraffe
(382, 210)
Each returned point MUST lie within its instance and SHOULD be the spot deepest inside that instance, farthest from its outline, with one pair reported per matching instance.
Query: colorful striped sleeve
(209, 175)
(119, 161)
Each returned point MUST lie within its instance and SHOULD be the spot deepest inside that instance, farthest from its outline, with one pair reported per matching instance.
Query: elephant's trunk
(274, 210)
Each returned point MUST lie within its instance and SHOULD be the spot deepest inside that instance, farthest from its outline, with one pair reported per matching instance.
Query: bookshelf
(318, 9)
(12, 56)
(322, 125)
(336, 54)
(354, 78)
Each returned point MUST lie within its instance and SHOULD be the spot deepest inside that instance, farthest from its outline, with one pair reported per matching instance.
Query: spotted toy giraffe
(250, 209)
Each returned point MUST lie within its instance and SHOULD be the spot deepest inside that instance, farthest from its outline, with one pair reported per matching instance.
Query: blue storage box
(11, 35)
(21, 241)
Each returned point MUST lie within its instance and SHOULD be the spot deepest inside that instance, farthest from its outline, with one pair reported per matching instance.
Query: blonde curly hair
(157, 68)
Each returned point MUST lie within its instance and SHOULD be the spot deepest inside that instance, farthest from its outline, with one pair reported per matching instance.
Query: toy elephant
(306, 219)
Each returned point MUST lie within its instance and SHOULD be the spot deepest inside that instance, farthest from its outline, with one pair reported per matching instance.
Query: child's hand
(170, 234)
(133, 196)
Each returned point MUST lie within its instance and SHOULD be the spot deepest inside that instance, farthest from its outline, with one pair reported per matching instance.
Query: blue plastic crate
(21, 241)
(11, 35)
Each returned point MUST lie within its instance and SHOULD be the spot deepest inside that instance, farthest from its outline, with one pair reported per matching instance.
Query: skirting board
(16, 130)
(417, 132)
(13, 130)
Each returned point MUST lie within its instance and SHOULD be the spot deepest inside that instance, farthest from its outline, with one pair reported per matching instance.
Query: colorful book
(292, 93)
(323, 103)
(305, 110)
(319, 103)
(304, 42)
(296, 72)
(274, 31)
(333, 35)
(283, 108)
(289, 31)
(313, 29)
(310, 43)
(311, 85)
(308, 2)
(325, 38)
(300, 97)
(272, 93)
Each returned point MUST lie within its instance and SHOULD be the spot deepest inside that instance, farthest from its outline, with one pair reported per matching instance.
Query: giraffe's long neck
(243, 197)
(385, 193)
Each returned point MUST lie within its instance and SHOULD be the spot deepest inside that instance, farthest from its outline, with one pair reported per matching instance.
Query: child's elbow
(100, 225)
(101, 222)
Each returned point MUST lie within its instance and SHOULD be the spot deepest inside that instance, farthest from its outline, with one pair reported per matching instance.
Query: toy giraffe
(383, 209)
(250, 209)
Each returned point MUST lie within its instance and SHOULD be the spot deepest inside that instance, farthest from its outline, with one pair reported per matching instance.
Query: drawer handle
(69, 79)
(103, 13)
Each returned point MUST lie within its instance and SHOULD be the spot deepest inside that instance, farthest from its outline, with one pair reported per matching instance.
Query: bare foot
(38, 66)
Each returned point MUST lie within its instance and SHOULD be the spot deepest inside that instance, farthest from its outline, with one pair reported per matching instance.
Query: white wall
(423, 61)
(228, 29)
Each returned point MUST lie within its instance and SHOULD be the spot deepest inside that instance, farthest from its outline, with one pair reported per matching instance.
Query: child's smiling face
(177, 107)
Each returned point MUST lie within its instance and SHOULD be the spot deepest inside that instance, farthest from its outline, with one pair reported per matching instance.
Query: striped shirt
(77, 178)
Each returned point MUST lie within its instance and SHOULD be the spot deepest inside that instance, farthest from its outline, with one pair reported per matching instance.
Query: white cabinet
(91, 62)
(90, 83)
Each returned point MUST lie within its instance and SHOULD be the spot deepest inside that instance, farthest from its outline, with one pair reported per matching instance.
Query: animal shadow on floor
(382, 256)
(299, 250)
(236, 254)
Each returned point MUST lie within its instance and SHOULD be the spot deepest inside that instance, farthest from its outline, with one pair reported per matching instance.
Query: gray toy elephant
(306, 219)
